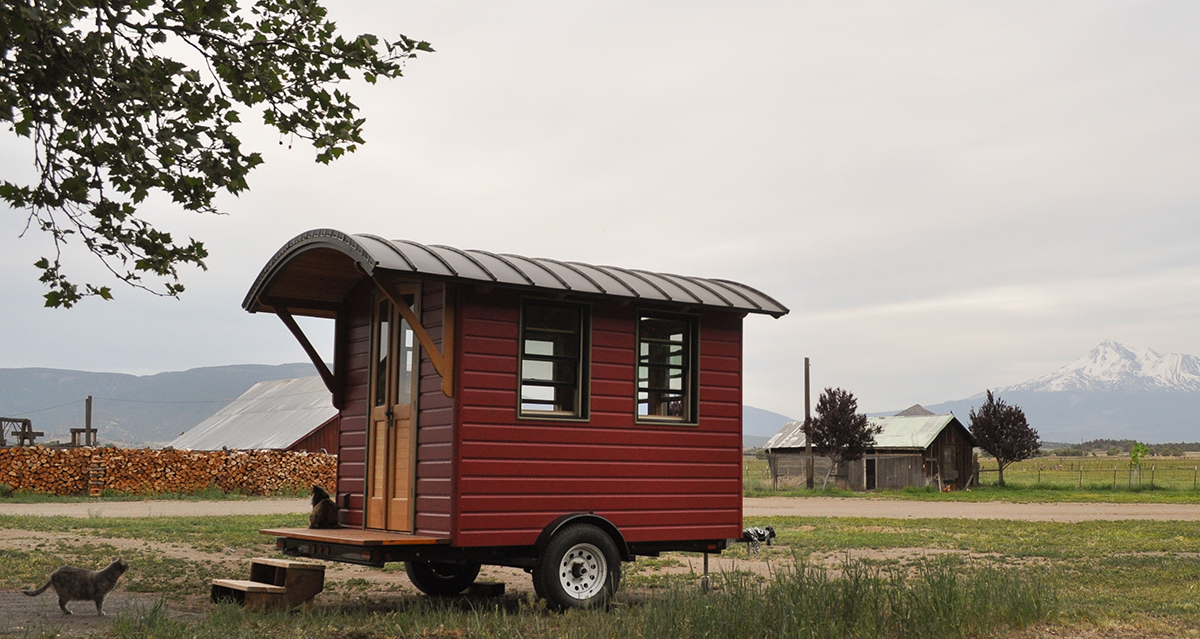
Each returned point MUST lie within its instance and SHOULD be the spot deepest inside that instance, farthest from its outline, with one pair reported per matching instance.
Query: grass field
(830, 577)
(1085, 479)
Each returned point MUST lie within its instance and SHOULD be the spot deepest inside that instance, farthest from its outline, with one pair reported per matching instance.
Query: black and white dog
(756, 536)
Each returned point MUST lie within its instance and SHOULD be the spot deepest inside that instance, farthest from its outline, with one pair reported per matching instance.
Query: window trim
(583, 387)
(691, 385)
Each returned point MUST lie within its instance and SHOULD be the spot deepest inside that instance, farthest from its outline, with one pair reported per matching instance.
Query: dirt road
(159, 508)
(888, 508)
(752, 507)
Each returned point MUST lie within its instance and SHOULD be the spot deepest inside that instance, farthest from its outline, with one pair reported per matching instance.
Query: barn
(915, 448)
(492, 406)
(282, 414)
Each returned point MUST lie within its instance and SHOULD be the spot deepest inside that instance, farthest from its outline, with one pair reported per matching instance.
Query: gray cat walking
(77, 584)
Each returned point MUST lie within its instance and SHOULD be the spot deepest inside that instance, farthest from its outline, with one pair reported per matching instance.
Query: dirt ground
(352, 585)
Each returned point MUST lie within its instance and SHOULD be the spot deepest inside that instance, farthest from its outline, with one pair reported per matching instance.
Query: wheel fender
(584, 518)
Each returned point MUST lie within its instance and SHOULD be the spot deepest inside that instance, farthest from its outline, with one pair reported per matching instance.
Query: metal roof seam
(585, 276)
(675, 279)
(395, 249)
(656, 287)
(703, 283)
(469, 257)
(725, 284)
(772, 300)
(436, 255)
(538, 264)
(604, 269)
(508, 263)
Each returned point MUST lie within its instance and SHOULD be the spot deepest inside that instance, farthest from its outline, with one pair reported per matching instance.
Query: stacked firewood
(142, 471)
(53, 470)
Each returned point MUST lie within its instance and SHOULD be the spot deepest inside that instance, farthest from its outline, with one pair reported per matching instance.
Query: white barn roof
(899, 432)
(272, 415)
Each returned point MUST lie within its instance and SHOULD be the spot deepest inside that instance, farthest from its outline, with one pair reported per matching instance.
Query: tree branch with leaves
(115, 113)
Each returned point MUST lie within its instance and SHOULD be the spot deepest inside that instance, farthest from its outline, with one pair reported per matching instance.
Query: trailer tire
(580, 567)
(441, 578)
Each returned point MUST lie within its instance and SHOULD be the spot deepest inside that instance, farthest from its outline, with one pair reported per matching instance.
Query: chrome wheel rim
(582, 571)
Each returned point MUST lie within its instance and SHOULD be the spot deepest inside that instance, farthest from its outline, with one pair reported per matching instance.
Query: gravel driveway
(159, 508)
(897, 509)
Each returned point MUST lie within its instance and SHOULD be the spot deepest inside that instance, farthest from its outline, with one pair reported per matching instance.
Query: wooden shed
(915, 448)
(505, 410)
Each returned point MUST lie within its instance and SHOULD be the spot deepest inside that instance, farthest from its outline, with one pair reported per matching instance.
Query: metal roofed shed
(915, 448)
(283, 414)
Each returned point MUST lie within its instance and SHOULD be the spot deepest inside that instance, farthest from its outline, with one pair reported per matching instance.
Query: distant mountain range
(129, 409)
(1113, 392)
(152, 410)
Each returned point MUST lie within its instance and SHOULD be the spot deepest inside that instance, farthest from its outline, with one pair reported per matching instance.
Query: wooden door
(391, 464)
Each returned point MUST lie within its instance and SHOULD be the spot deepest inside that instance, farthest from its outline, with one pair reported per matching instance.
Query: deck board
(354, 536)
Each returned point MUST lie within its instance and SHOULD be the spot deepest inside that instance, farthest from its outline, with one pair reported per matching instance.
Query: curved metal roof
(371, 253)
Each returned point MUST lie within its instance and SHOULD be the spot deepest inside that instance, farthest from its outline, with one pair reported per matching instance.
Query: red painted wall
(352, 353)
(325, 438)
(655, 482)
(435, 427)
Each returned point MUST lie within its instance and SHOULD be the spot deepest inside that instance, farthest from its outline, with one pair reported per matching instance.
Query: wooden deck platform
(354, 537)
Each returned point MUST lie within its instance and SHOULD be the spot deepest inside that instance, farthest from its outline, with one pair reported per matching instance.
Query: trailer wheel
(579, 568)
(441, 578)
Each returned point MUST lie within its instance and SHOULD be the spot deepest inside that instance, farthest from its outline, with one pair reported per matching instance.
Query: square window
(666, 371)
(553, 360)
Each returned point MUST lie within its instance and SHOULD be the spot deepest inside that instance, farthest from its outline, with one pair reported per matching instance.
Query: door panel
(391, 463)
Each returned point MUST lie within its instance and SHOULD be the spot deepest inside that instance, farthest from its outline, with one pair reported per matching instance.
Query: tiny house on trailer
(495, 409)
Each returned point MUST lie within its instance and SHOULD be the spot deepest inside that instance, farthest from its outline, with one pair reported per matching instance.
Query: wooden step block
(253, 595)
(300, 579)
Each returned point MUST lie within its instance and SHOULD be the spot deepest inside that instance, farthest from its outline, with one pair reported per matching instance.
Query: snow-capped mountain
(1114, 366)
(1114, 392)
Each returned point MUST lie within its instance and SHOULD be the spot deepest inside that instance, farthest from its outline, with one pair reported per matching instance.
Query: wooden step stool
(274, 584)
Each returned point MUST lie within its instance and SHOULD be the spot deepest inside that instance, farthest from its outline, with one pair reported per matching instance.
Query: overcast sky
(948, 196)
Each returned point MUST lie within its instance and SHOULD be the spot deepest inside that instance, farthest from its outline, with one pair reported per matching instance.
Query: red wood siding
(323, 439)
(656, 482)
(352, 365)
(435, 427)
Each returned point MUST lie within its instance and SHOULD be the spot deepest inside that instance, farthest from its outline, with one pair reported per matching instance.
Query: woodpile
(143, 471)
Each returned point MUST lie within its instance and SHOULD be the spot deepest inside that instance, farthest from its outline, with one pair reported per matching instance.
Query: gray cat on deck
(77, 584)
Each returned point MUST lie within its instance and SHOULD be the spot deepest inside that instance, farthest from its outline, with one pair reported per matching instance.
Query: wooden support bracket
(443, 361)
(322, 369)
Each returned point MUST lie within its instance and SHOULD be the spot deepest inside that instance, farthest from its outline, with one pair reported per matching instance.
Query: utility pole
(89, 435)
(808, 472)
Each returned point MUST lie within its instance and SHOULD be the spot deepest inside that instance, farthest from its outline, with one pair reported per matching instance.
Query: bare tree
(839, 431)
(1002, 431)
